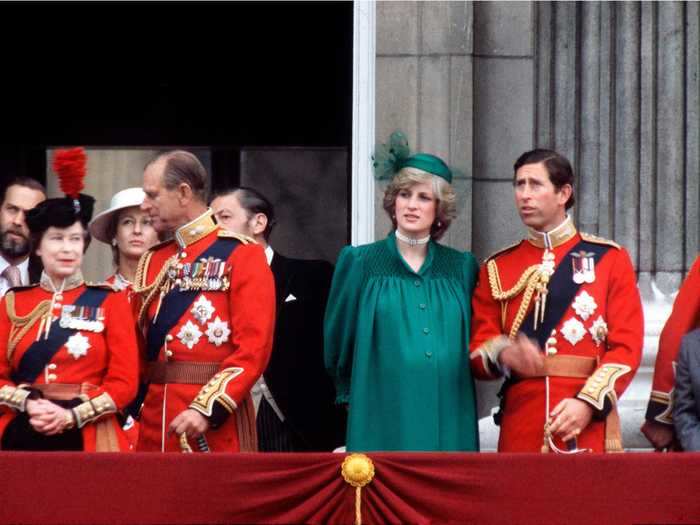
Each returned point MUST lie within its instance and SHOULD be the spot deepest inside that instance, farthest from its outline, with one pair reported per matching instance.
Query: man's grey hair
(183, 167)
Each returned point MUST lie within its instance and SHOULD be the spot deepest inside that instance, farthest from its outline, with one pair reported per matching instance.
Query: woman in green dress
(397, 323)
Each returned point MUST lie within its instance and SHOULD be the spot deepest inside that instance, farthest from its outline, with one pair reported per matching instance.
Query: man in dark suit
(686, 402)
(17, 266)
(294, 398)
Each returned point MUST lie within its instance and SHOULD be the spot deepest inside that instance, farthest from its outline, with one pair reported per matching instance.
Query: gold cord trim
(21, 324)
(150, 291)
(532, 279)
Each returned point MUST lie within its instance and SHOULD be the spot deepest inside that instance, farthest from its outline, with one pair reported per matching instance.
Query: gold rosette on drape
(358, 471)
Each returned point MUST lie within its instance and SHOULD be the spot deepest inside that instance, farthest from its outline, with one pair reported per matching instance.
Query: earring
(439, 224)
(114, 242)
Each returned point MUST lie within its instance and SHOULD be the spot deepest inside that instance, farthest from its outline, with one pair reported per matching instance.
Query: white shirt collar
(269, 253)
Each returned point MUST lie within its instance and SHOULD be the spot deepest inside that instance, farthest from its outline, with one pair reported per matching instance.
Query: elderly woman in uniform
(68, 361)
(128, 230)
(398, 318)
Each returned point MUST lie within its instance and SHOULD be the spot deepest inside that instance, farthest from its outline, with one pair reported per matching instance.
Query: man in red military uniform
(558, 313)
(208, 312)
(685, 316)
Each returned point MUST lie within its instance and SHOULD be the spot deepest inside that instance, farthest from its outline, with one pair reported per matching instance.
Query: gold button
(52, 366)
(53, 377)
(169, 337)
(169, 353)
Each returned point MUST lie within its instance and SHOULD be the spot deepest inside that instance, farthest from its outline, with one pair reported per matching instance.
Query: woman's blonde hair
(445, 206)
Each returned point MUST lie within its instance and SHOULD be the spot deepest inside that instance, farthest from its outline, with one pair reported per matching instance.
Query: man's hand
(523, 357)
(569, 418)
(659, 435)
(189, 422)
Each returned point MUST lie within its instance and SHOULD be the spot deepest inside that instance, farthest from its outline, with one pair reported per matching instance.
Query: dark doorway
(218, 75)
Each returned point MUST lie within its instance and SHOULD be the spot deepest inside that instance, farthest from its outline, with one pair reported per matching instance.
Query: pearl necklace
(410, 240)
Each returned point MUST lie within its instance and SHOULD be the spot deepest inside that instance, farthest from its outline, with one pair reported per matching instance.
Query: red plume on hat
(69, 165)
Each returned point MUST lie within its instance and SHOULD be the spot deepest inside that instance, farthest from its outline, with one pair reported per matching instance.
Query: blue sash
(40, 353)
(561, 292)
(175, 303)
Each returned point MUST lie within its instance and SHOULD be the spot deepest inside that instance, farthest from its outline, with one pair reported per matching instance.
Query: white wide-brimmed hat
(122, 199)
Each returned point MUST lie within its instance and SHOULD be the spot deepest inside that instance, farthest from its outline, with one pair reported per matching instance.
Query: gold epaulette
(231, 235)
(502, 251)
(599, 240)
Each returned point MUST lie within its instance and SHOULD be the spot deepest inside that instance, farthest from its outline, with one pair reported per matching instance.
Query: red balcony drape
(149, 489)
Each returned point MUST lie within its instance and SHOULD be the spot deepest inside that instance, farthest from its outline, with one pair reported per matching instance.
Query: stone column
(504, 109)
(617, 92)
(424, 88)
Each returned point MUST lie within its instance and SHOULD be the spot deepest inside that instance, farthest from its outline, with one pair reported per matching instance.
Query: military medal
(208, 274)
(77, 345)
(202, 309)
(573, 331)
(88, 318)
(584, 305)
(218, 331)
(599, 330)
(189, 334)
(583, 266)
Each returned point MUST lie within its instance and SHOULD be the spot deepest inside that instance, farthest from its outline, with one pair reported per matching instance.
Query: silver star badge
(189, 334)
(202, 309)
(77, 345)
(218, 331)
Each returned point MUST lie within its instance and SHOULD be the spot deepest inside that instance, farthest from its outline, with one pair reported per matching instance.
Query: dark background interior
(219, 75)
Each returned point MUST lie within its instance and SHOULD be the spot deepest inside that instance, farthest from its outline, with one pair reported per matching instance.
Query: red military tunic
(121, 284)
(104, 364)
(684, 318)
(231, 330)
(610, 303)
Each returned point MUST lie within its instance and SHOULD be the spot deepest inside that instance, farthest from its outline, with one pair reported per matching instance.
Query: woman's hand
(48, 418)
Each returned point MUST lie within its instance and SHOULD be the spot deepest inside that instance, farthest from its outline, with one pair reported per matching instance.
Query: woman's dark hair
(558, 167)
